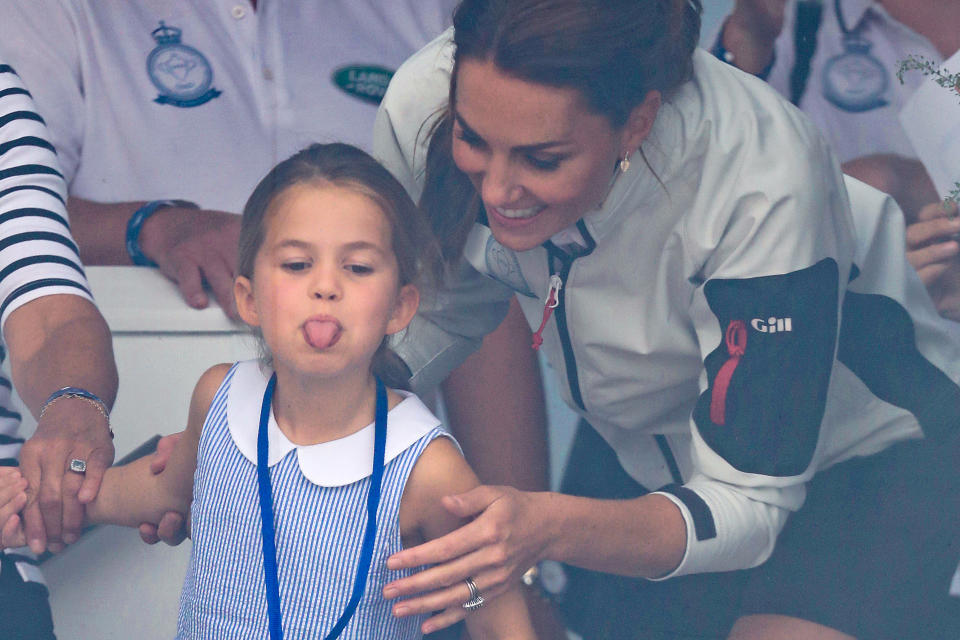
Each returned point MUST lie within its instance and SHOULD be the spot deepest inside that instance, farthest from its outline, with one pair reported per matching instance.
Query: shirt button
(267, 73)
(238, 11)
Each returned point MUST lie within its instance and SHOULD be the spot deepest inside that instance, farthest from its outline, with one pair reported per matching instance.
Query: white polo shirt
(198, 99)
(874, 130)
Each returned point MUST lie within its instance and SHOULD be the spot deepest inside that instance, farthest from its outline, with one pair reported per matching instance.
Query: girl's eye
(359, 269)
(541, 163)
(296, 265)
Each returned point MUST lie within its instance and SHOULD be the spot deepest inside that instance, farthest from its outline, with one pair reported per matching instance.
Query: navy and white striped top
(38, 256)
(320, 494)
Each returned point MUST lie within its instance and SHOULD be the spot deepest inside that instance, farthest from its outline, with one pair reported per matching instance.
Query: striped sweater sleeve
(38, 256)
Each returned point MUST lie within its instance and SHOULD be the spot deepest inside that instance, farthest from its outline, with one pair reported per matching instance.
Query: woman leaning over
(692, 235)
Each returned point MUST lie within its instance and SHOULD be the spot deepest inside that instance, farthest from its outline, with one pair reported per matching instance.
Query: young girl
(309, 471)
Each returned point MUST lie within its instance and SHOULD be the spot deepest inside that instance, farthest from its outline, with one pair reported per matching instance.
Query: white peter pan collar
(328, 464)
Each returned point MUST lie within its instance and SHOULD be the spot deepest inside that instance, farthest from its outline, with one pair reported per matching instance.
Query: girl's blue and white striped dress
(319, 496)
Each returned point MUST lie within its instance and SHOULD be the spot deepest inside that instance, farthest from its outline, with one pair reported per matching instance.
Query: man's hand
(751, 30)
(193, 246)
(70, 428)
(761, 19)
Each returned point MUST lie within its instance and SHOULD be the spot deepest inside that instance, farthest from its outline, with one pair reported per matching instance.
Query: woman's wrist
(643, 536)
(556, 521)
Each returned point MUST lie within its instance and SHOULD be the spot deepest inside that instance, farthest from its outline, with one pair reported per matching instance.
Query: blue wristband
(135, 224)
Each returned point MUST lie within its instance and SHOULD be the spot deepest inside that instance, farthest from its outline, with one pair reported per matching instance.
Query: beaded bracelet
(82, 394)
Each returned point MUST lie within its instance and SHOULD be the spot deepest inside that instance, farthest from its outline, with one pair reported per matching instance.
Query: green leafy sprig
(947, 80)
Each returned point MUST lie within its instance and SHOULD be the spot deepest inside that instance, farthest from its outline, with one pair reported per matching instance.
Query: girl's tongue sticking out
(321, 333)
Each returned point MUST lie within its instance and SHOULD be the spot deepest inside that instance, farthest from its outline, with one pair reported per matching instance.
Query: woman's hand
(933, 249)
(510, 534)
(931, 243)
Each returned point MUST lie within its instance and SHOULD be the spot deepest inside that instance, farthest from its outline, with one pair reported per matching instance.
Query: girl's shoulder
(205, 391)
(440, 470)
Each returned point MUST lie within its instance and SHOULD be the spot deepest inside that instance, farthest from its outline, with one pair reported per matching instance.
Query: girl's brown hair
(613, 52)
(345, 166)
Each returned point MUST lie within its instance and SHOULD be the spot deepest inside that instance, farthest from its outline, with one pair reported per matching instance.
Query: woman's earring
(624, 164)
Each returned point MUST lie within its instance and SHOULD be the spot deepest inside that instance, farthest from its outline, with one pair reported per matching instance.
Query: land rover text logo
(367, 82)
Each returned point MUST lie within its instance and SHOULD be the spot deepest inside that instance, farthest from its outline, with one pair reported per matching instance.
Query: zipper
(553, 299)
(736, 342)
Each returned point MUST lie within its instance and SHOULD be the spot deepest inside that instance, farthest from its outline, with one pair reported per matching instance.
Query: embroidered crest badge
(182, 74)
(855, 80)
(503, 265)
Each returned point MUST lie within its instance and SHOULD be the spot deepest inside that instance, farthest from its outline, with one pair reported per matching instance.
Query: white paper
(955, 584)
(931, 119)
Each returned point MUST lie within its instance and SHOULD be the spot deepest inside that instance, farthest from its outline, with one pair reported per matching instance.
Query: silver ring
(78, 466)
(476, 600)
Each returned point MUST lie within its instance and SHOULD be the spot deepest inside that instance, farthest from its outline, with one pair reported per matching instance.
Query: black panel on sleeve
(768, 379)
(703, 524)
(878, 344)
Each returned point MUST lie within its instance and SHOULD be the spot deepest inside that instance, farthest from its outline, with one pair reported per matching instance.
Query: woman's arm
(514, 530)
(439, 470)
(132, 494)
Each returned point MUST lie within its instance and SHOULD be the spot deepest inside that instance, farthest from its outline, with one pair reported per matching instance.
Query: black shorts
(871, 553)
(24, 606)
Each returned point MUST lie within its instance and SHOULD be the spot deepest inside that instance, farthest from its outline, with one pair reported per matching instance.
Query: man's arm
(750, 31)
(190, 246)
(58, 341)
(54, 340)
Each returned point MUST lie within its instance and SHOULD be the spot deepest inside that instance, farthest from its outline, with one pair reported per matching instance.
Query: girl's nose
(326, 286)
(324, 294)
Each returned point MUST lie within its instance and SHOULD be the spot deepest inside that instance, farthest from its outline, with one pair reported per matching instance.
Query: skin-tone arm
(514, 530)
(750, 32)
(190, 246)
(500, 422)
(58, 341)
(132, 493)
(441, 469)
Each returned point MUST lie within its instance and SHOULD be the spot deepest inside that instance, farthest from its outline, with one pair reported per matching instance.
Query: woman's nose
(499, 186)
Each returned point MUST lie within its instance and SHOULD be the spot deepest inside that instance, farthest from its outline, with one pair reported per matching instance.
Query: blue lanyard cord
(266, 513)
(266, 516)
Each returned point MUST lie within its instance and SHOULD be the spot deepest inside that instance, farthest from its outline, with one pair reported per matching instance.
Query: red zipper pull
(553, 299)
(736, 340)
